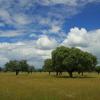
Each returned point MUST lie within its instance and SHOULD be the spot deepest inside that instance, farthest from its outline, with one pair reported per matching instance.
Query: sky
(31, 29)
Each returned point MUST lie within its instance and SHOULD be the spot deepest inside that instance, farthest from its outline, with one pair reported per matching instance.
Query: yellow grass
(41, 86)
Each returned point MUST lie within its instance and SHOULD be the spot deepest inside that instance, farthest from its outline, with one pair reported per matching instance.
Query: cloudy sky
(31, 29)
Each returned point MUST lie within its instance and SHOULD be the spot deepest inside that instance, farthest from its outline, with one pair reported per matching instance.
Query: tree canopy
(48, 65)
(17, 66)
(72, 59)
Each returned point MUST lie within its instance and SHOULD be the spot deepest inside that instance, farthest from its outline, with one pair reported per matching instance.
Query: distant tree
(1, 69)
(17, 66)
(48, 65)
(39, 70)
(97, 69)
(13, 66)
(31, 69)
(23, 65)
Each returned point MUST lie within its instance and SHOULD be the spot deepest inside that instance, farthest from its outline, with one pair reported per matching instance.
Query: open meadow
(41, 86)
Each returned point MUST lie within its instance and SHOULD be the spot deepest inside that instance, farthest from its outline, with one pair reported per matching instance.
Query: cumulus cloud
(83, 39)
(45, 43)
(35, 51)
(77, 37)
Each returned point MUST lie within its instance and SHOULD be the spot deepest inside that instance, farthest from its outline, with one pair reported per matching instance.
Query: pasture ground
(41, 86)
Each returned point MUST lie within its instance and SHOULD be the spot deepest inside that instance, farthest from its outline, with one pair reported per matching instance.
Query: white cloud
(66, 2)
(21, 19)
(55, 29)
(20, 16)
(5, 16)
(35, 51)
(85, 40)
(46, 43)
(11, 33)
(3, 60)
(76, 37)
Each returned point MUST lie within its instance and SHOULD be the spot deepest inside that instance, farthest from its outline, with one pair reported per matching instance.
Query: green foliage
(23, 65)
(15, 65)
(12, 66)
(48, 65)
(97, 69)
(31, 68)
(72, 59)
(1, 69)
(58, 56)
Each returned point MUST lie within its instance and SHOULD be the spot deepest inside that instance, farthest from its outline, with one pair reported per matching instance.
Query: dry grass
(41, 86)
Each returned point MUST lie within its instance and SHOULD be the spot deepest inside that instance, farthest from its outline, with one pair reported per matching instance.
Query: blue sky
(31, 29)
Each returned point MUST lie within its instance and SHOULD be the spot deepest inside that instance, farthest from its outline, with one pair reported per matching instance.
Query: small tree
(13, 66)
(17, 66)
(31, 69)
(24, 65)
(97, 69)
(48, 65)
(1, 69)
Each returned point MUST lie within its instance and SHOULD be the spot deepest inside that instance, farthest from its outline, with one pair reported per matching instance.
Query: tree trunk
(56, 73)
(49, 73)
(31, 72)
(70, 74)
(17, 72)
(60, 73)
(79, 73)
(28, 72)
(82, 73)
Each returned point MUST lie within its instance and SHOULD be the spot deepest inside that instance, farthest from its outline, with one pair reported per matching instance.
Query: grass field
(41, 86)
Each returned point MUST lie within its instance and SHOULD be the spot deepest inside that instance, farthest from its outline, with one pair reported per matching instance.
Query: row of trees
(70, 60)
(63, 59)
(17, 66)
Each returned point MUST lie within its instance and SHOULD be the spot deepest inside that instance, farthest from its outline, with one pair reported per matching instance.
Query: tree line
(18, 66)
(63, 59)
(70, 60)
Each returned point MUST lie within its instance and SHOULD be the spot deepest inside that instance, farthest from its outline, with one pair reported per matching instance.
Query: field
(41, 86)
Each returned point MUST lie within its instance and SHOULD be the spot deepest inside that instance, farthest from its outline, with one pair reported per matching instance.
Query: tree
(23, 65)
(97, 69)
(13, 65)
(17, 66)
(87, 62)
(1, 69)
(72, 59)
(39, 70)
(58, 56)
(31, 69)
(48, 65)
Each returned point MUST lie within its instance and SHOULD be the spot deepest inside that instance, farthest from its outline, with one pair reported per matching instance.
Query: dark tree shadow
(74, 77)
